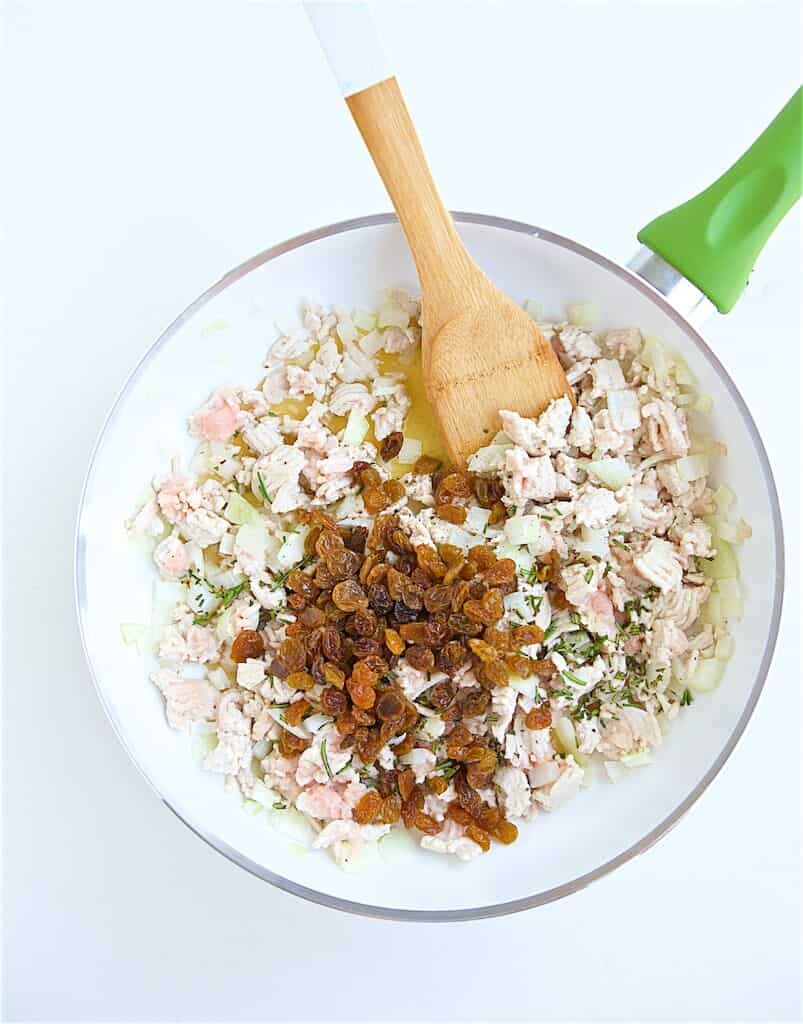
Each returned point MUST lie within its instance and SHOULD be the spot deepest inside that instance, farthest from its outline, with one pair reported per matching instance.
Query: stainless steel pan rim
(539, 899)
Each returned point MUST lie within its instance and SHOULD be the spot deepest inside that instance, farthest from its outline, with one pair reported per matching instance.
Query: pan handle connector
(714, 239)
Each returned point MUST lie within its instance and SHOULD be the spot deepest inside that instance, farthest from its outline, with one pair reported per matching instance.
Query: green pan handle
(715, 238)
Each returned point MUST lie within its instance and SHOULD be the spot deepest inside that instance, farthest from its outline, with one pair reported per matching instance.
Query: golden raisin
(420, 658)
(390, 811)
(333, 675)
(391, 446)
(390, 707)
(247, 644)
(489, 818)
(375, 500)
(344, 723)
(539, 718)
(362, 696)
(501, 572)
(479, 836)
(523, 636)
(426, 823)
(363, 674)
(328, 542)
(296, 712)
(483, 650)
(404, 746)
(425, 465)
(430, 561)
(454, 485)
(437, 784)
(394, 489)
(406, 782)
(368, 808)
(290, 745)
(498, 514)
(482, 556)
(370, 477)
(452, 513)
(458, 814)
(505, 832)
(487, 610)
(300, 681)
(349, 596)
(334, 702)
(393, 641)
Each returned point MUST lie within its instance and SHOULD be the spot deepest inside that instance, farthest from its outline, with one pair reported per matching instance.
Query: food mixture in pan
(365, 636)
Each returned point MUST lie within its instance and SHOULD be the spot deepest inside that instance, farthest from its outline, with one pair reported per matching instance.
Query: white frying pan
(223, 336)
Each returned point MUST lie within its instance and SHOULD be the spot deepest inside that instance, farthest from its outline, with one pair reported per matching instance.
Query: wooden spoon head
(484, 360)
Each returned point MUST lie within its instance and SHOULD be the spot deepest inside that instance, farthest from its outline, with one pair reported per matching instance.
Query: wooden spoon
(481, 351)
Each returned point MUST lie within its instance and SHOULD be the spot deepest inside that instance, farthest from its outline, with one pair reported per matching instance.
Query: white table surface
(154, 145)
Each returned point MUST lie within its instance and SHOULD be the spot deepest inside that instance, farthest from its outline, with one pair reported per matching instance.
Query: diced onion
(655, 355)
(391, 315)
(724, 648)
(521, 529)
(363, 319)
(683, 374)
(564, 734)
(593, 542)
(611, 473)
(522, 558)
(371, 343)
(239, 511)
(356, 428)
(253, 539)
(637, 760)
(711, 612)
(203, 745)
(730, 595)
(251, 807)
(733, 533)
(707, 676)
(528, 686)
(346, 331)
(219, 679)
(535, 310)
(292, 550)
(724, 565)
(490, 458)
(583, 314)
(477, 519)
(316, 722)
(703, 444)
(260, 749)
(703, 404)
(410, 451)
(724, 499)
(692, 467)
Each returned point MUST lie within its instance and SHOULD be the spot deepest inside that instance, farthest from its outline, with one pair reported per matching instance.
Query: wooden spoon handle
(449, 279)
(445, 270)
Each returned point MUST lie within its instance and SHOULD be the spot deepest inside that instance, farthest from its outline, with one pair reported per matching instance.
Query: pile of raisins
(367, 598)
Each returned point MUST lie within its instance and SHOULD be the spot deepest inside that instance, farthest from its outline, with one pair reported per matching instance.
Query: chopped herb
(545, 516)
(279, 806)
(345, 766)
(619, 544)
(325, 760)
(447, 768)
(553, 625)
(573, 678)
(606, 570)
(589, 576)
(262, 488)
(686, 699)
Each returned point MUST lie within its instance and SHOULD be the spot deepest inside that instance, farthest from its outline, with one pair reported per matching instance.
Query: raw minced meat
(383, 646)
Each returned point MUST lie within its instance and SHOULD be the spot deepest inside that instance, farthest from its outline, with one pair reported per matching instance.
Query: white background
(153, 146)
